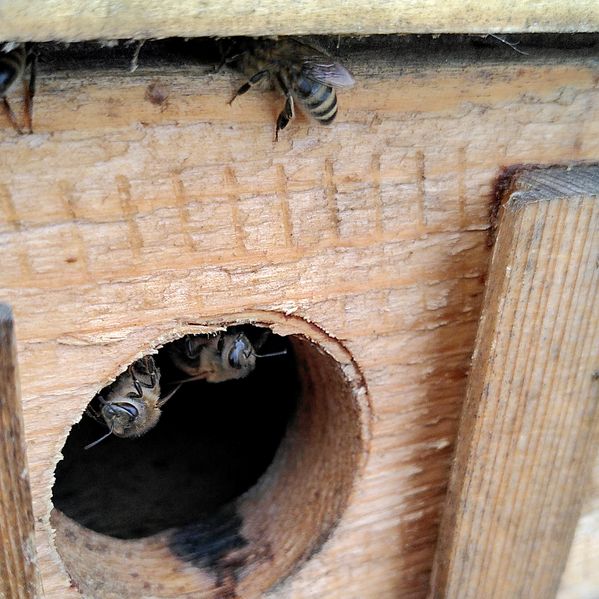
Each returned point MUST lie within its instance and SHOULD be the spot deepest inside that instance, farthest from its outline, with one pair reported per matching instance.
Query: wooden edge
(536, 184)
(19, 578)
(530, 421)
(40, 20)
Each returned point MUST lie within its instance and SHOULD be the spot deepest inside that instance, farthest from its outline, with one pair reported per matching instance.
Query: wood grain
(122, 222)
(18, 563)
(581, 574)
(528, 433)
(103, 19)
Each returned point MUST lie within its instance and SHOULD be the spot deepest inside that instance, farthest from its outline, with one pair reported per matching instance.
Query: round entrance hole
(239, 482)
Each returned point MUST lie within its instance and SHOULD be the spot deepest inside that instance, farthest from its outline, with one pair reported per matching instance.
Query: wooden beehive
(144, 208)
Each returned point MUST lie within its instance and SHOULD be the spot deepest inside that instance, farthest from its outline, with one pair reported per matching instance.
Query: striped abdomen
(11, 66)
(318, 99)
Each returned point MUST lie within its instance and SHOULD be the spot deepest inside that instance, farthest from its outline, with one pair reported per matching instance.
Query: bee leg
(93, 413)
(285, 116)
(287, 113)
(249, 83)
(151, 366)
(137, 386)
(227, 60)
(30, 90)
(135, 380)
(10, 115)
(147, 366)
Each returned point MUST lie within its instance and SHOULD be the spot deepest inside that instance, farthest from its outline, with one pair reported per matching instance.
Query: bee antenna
(201, 377)
(277, 353)
(98, 440)
(167, 397)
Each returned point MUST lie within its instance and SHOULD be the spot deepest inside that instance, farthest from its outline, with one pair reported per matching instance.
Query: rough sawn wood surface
(123, 220)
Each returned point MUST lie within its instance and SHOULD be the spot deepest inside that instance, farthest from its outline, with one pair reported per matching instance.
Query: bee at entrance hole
(215, 359)
(14, 59)
(303, 74)
(132, 405)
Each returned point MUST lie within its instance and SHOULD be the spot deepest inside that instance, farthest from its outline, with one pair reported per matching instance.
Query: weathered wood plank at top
(527, 436)
(39, 20)
(18, 569)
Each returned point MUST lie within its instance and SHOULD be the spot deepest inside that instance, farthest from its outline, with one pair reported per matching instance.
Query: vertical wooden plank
(18, 570)
(529, 426)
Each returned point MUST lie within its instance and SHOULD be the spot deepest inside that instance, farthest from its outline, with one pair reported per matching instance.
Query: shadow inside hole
(212, 443)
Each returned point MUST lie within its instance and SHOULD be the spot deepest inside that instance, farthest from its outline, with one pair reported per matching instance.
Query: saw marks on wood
(375, 230)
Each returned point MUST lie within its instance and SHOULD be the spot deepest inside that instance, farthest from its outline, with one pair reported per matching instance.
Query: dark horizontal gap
(394, 49)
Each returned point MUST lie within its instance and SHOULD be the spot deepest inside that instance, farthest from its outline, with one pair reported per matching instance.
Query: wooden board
(18, 571)
(530, 426)
(123, 220)
(102, 19)
(580, 579)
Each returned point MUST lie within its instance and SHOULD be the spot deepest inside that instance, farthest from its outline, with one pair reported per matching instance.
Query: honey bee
(132, 405)
(13, 62)
(302, 73)
(224, 357)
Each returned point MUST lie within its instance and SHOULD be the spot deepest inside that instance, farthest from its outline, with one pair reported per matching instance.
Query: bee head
(120, 416)
(238, 352)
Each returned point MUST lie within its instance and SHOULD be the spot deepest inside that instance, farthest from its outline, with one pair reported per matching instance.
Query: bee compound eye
(5, 77)
(234, 358)
(109, 411)
(130, 409)
(240, 352)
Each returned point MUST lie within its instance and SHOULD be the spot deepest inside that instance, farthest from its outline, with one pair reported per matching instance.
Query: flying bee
(132, 405)
(224, 357)
(302, 73)
(13, 63)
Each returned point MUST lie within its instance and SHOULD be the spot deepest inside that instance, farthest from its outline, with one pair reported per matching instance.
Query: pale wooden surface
(41, 20)
(580, 579)
(528, 434)
(18, 570)
(122, 220)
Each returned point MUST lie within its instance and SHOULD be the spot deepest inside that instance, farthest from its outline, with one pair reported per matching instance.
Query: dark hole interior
(212, 443)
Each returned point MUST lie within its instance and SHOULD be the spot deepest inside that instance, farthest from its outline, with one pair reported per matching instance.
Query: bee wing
(328, 73)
